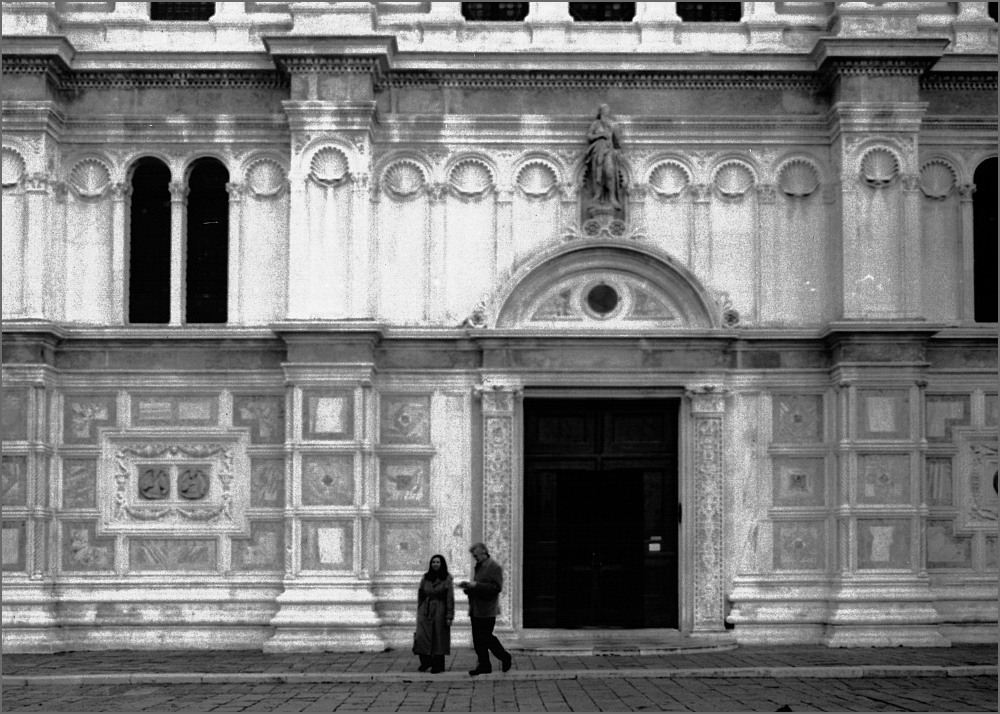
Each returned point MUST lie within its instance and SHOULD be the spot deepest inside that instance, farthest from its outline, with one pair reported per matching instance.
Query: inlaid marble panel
(799, 481)
(15, 414)
(264, 415)
(799, 545)
(12, 544)
(83, 551)
(884, 414)
(327, 480)
(405, 419)
(15, 481)
(883, 543)
(327, 545)
(328, 415)
(404, 546)
(404, 482)
(172, 554)
(945, 549)
(265, 549)
(938, 475)
(991, 409)
(171, 410)
(945, 411)
(267, 483)
(991, 552)
(798, 418)
(884, 478)
(83, 415)
(42, 481)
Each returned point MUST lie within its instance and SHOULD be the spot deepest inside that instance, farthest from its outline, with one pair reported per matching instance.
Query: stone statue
(602, 177)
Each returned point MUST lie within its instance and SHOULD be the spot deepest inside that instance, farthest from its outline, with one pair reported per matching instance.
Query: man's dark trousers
(484, 642)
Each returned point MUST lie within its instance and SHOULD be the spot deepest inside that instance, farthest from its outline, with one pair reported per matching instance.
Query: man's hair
(476, 546)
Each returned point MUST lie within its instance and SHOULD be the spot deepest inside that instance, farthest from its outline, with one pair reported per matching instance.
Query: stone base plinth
(326, 618)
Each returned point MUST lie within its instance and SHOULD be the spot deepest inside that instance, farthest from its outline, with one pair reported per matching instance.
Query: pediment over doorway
(606, 287)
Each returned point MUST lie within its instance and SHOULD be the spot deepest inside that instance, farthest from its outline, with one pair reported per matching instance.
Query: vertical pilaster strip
(434, 281)
(707, 409)
(178, 215)
(36, 188)
(910, 248)
(120, 193)
(56, 263)
(765, 253)
(701, 234)
(966, 295)
(360, 245)
(503, 257)
(235, 288)
(499, 481)
(299, 285)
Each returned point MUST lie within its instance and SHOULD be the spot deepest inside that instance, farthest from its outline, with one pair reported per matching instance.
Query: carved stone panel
(83, 551)
(83, 415)
(991, 552)
(498, 433)
(328, 415)
(405, 419)
(883, 544)
(884, 478)
(12, 539)
(167, 410)
(707, 462)
(945, 549)
(798, 418)
(939, 487)
(977, 479)
(15, 414)
(327, 545)
(404, 482)
(945, 411)
(404, 546)
(327, 480)
(267, 483)
(264, 415)
(991, 409)
(172, 554)
(799, 545)
(265, 549)
(883, 414)
(799, 481)
(79, 483)
(15, 481)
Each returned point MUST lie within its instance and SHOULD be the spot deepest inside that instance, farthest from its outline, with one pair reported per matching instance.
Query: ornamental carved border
(976, 473)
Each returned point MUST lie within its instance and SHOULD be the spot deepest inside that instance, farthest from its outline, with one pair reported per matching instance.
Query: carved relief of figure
(602, 178)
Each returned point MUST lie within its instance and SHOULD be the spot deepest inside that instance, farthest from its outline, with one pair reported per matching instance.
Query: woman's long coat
(435, 610)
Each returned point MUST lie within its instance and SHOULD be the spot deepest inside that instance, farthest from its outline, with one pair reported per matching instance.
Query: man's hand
(466, 585)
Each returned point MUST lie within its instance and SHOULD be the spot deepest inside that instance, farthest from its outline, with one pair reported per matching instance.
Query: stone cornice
(959, 82)
(882, 56)
(193, 79)
(29, 54)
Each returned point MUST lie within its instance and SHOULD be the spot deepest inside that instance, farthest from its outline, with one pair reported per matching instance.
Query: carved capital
(707, 399)
(700, 192)
(910, 182)
(767, 193)
(60, 189)
(965, 192)
(436, 192)
(569, 191)
(236, 191)
(178, 192)
(37, 183)
(120, 190)
(498, 395)
(831, 191)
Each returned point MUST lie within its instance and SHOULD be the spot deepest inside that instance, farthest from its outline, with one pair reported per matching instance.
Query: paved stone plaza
(961, 678)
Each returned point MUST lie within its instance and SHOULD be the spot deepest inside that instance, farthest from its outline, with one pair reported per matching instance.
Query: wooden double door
(600, 513)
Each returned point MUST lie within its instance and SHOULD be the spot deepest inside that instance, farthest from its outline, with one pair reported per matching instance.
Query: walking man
(484, 606)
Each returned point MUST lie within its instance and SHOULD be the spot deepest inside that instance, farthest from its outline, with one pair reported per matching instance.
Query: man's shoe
(437, 670)
(479, 670)
(505, 665)
(423, 668)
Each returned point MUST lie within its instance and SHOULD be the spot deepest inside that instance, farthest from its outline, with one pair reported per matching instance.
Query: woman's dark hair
(440, 574)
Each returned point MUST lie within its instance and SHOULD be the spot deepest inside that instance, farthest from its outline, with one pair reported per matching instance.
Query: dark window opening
(149, 244)
(984, 242)
(710, 11)
(602, 11)
(495, 11)
(181, 11)
(993, 10)
(207, 274)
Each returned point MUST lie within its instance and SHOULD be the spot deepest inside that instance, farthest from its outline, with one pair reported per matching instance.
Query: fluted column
(178, 246)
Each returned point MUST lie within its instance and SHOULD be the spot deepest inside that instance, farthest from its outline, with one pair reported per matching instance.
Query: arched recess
(984, 225)
(149, 243)
(606, 286)
(207, 255)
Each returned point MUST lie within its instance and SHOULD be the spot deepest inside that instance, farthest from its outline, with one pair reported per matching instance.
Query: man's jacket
(484, 598)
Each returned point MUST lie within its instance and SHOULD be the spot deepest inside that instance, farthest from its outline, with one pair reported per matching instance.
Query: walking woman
(435, 611)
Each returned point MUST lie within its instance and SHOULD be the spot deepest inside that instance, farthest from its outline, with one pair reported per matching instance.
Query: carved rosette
(498, 490)
(707, 409)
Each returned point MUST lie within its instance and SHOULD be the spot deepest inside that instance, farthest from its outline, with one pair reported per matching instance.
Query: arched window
(494, 11)
(710, 11)
(207, 264)
(984, 242)
(149, 244)
(602, 11)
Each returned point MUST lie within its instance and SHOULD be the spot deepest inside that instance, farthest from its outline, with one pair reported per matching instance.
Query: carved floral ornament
(14, 167)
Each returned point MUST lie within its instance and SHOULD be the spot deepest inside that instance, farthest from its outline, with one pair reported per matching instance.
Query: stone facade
(410, 256)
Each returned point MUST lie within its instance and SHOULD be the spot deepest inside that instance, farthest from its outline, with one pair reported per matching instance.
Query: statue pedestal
(602, 212)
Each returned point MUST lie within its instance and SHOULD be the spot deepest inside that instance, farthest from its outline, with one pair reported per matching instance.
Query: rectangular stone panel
(173, 410)
(405, 419)
(799, 545)
(84, 414)
(265, 550)
(991, 409)
(267, 483)
(12, 543)
(404, 482)
(327, 545)
(15, 480)
(883, 543)
(945, 411)
(945, 549)
(991, 552)
(328, 415)
(327, 480)
(884, 478)
(42, 481)
(83, 551)
(404, 546)
(938, 475)
(15, 414)
(172, 554)
(883, 414)
(263, 414)
(799, 481)
(797, 418)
